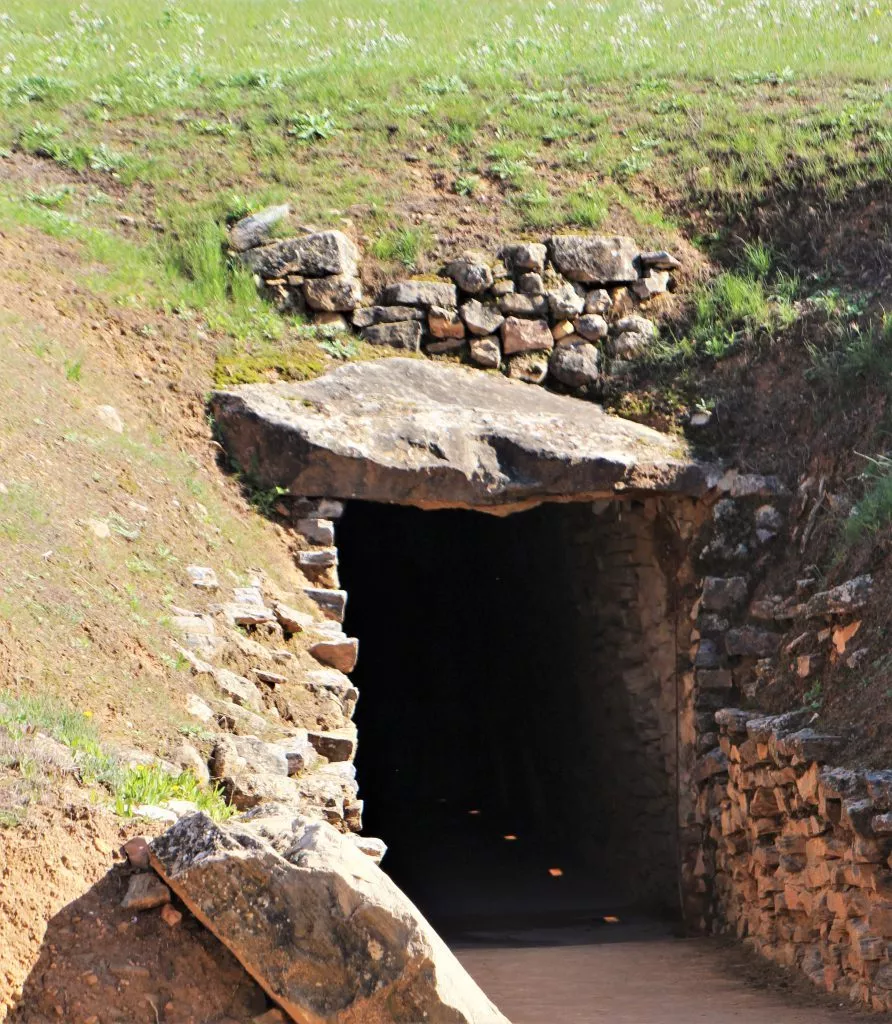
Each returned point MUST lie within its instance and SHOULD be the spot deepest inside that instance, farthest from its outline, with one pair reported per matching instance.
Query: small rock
(479, 319)
(317, 531)
(235, 755)
(202, 577)
(339, 653)
(315, 255)
(565, 302)
(335, 294)
(98, 528)
(722, 594)
(486, 353)
(255, 229)
(145, 892)
(656, 283)
(591, 326)
(337, 321)
(373, 315)
(445, 323)
(170, 916)
(847, 597)
(421, 293)
(593, 258)
(376, 848)
(136, 851)
(637, 324)
(292, 620)
(299, 752)
(471, 273)
(108, 416)
(501, 288)
(526, 306)
(197, 708)
(530, 367)
(406, 335)
(446, 346)
(526, 336)
(332, 602)
(750, 642)
(574, 366)
(531, 284)
(661, 260)
(597, 301)
(524, 256)
(334, 746)
(563, 329)
(630, 344)
(240, 690)
(269, 678)
(185, 756)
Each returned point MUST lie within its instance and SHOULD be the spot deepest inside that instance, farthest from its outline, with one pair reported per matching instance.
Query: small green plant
(264, 500)
(153, 785)
(311, 126)
(466, 184)
(814, 696)
(340, 348)
(50, 198)
(401, 245)
(757, 260)
(587, 207)
(74, 369)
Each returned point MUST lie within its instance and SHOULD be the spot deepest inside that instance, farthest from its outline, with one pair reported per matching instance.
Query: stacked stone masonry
(566, 311)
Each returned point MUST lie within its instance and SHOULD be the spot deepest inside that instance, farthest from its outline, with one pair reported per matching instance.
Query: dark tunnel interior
(478, 716)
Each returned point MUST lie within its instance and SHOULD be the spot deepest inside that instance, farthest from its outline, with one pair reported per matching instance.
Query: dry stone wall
(567, 310)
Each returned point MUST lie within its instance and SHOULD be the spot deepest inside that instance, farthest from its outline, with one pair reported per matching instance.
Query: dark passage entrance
(501, 757)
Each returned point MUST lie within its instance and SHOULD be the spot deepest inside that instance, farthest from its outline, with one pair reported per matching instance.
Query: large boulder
(435, 435)
(594, 258)
(315, 255)
(316, 922)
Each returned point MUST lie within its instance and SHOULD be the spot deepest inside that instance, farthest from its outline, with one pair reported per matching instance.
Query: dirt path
(637, 974)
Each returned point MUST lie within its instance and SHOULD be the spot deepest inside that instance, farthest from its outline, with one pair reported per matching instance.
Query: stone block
(421, 294)
(481, 320)
(595, 259)
(334, 746)
(750, 642)
(486, 353)
(317, 531)
(721, 594)
(313, 255)
(373, 315)
(332, 602)
(334, 294)
(340, 653)
(406, 334)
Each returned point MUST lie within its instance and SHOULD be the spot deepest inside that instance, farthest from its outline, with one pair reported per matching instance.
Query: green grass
(403, 245)
(152, 785)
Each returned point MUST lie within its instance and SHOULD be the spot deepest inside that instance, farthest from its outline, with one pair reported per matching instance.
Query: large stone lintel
(412, 432)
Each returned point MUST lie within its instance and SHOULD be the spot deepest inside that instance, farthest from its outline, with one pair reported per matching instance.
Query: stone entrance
(520, 676)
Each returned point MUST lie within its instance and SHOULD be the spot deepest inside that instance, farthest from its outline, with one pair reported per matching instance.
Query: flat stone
(850, 596)
(405, 334)
(471, 273)
(319, 558)
(421, 293)
(446, 346)
(233, 755)
(526, 306)
(591, 326)
(317, 923)
(332, 602)
(445, 323)
(292, 620)
(659, 260)
(594, 258)
(338, 653)
(255, 229)
(371, 315)
(524, 256)
(574, 366)
(425, 433)
(486, 352)
(480, 319)
(202, 577)
(525, 336)
(335, 294)
(316, 531)
(334, 746)
(314, 255)
(145, 892)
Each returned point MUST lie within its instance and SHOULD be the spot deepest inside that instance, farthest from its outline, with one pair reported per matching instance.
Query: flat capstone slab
(414, 432)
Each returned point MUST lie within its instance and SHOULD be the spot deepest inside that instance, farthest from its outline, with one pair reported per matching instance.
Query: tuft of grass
(151, 784)
(757, 260)
(404, 245)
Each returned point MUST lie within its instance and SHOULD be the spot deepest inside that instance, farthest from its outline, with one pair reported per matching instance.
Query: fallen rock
(404, 334)
(319, 926)
(316, 531)
(415, 431)
(575, 366)
(595, 259)
(315, 255)
(185, 756)
(255, 229)
(525, 336)
(145, 892)
(420, 293)
(136, 851)
(335, 294)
